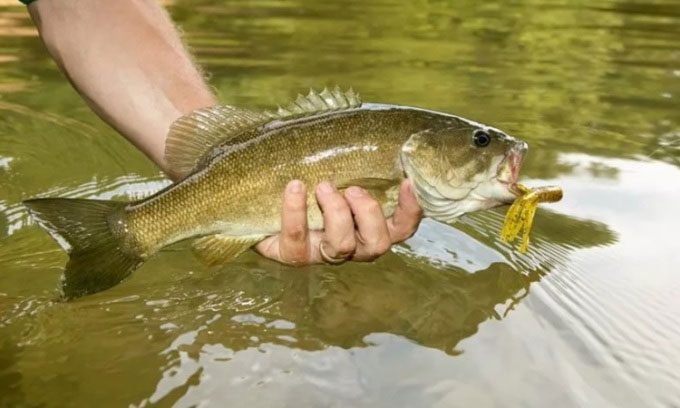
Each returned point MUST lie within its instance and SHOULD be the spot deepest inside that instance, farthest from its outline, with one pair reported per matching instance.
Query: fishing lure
(520, 216)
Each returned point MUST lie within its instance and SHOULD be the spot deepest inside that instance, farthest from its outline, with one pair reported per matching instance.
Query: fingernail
(356, 191)
(295, 186)
(325, 187)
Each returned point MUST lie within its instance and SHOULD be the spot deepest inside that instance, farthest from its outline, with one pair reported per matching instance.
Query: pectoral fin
(380, 188)
(370, 183)
(219, 249)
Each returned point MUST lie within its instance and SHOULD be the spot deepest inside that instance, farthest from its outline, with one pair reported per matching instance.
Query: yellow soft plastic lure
(520, 216)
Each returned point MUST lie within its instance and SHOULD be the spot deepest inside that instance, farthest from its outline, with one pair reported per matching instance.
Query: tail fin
(97, 259)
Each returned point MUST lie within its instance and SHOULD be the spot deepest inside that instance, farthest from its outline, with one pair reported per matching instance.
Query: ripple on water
(624, 325)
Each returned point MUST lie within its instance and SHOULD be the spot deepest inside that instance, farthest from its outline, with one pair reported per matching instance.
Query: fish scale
(356, 146)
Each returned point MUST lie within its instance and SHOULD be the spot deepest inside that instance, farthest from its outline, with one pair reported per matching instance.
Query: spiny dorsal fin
(317, 102)
(193, 135)
(219, 249)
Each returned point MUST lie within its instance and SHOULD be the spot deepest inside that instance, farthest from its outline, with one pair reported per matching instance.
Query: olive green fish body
(238, 192)
(235, 163)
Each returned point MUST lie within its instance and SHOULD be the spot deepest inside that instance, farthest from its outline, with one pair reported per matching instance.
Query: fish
(233, 164)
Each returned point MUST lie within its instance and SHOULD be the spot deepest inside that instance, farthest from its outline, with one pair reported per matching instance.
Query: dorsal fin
(193, 135)
(317, 102)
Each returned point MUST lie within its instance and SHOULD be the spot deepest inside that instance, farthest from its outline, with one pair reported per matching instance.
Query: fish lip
(514, 160)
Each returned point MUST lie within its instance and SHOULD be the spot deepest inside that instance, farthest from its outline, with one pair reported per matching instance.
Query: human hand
(354, 226)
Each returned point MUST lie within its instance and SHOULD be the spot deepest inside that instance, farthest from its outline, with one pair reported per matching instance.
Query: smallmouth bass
(234, 163)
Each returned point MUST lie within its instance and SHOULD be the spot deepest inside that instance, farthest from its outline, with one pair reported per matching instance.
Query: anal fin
(219, 249)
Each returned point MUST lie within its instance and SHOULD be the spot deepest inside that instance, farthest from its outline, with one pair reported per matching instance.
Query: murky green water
(453, 318)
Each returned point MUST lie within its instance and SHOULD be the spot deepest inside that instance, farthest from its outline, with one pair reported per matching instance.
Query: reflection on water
(666, 148)
(453, 317)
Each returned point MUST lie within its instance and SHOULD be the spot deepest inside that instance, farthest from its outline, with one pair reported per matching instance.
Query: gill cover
(447, 167)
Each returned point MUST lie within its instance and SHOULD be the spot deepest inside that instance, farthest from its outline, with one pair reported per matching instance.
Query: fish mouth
(508, 169)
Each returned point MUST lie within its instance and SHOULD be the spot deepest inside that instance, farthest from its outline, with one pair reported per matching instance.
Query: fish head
(462, 168)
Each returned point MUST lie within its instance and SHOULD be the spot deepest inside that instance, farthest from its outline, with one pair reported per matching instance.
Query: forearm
(127, 60)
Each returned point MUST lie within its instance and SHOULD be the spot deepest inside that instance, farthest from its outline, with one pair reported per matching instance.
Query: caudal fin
(97, 259)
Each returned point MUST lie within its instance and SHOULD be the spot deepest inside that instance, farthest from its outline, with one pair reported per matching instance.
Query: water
(589, 317)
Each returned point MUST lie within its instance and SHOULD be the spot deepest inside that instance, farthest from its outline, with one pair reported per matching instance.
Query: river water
(453, 317)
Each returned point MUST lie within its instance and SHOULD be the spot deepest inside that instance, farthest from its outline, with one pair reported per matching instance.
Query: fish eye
(481, 138)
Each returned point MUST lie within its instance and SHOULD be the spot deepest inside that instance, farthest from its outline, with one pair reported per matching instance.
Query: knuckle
(378, 248)
(295, 258)
(337, 206)
(294, 254)
(398, 237)
(417, 213)
(294, 205)
(346, 246)
(383, 246)
(404, 233)
(369, 256)
(408, 235)
(295, 233)
(372, 206)
(411, 231)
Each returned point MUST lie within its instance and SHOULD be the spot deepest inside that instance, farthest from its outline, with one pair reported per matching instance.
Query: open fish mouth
(509, 168)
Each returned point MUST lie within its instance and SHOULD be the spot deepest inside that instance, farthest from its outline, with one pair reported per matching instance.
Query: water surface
(589, 317)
